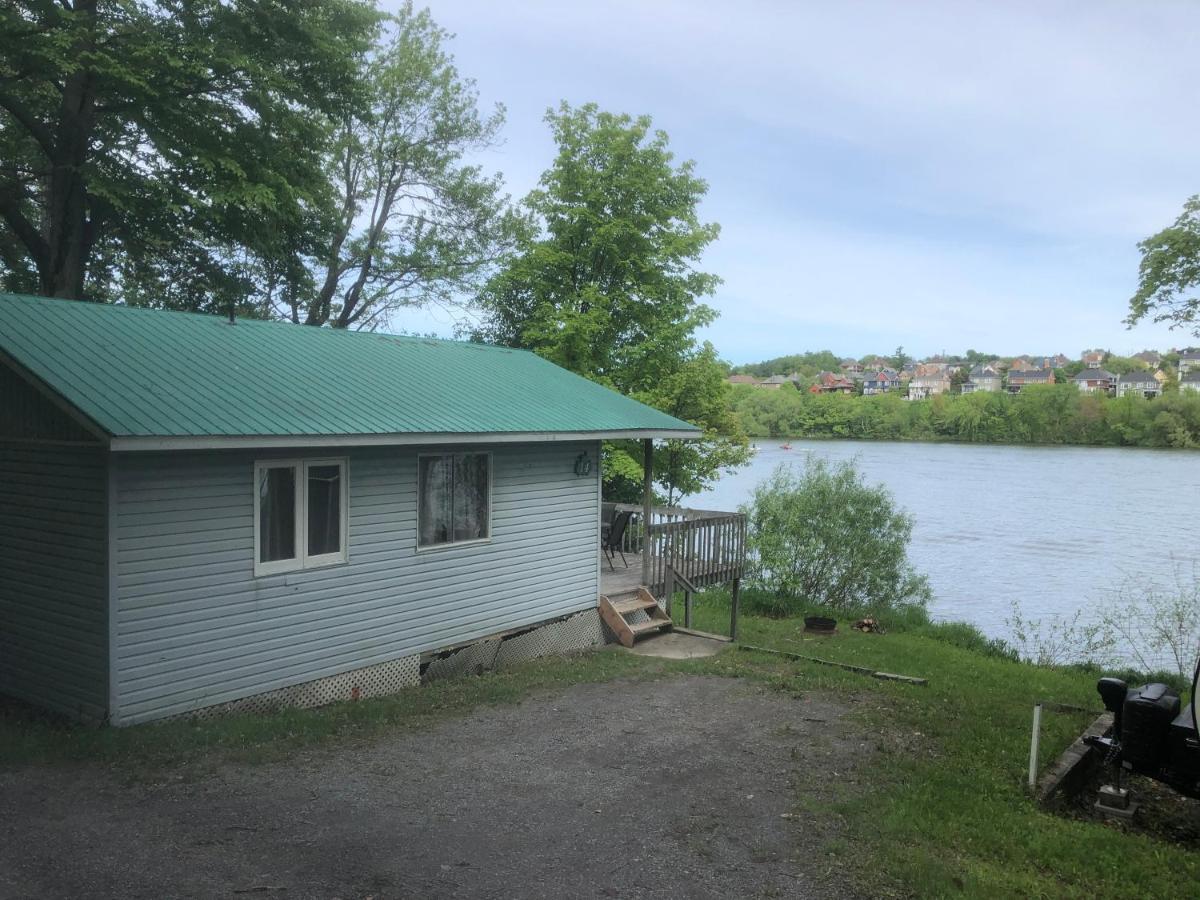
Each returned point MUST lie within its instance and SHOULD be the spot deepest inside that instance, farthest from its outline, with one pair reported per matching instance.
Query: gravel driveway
(680, 787)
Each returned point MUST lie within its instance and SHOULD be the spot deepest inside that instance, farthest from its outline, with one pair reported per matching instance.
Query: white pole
(1033, 745)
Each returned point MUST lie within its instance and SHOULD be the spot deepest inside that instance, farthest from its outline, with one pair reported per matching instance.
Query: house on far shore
(1018, 381)
(198, 512)
(1150, 357)
(1093, 359)
(1095, 381)
(830, 383)
(929, 381)
(1190, 381)
(742, 379)
(882, 382)
(1143, 383)
(774, 382)
(851, 366)
(982, 378)
(1189, 361)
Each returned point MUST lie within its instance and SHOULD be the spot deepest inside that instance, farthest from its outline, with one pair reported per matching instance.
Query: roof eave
(55, 398)
(151, 443)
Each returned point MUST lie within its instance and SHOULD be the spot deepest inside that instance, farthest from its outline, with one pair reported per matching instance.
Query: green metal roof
(152, 378)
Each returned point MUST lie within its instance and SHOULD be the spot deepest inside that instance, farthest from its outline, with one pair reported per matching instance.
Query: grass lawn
(944, 813)
(947, 813)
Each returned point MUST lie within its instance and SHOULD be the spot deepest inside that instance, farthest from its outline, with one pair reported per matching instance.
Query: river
(1055, 528)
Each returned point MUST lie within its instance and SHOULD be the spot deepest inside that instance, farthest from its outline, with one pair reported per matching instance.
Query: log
(861, 670)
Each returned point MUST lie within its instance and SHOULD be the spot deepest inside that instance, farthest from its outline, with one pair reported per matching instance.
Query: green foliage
(608, 288)
(968, 637)
(824, 537)
(1040, 414)
(1120, 365)
(1059, 640)
(1169, 273)
(160, 145)
(695, 392)
(808, 364)
(1158, 623)
(414, 223)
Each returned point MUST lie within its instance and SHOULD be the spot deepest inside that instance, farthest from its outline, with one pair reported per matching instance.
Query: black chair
(611, 542)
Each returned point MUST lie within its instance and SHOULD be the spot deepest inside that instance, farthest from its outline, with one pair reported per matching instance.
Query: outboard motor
(1147, 717)
(1150, 735)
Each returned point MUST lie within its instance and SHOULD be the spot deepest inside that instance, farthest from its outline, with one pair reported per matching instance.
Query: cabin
(207, 514)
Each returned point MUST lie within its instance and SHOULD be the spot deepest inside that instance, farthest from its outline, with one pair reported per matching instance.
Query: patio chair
(610, 542)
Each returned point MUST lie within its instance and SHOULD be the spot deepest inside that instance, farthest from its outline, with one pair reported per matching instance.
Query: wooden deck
(677, 550)
(621, 580)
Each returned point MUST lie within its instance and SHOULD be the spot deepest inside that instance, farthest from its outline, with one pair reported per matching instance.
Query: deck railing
(699, 547)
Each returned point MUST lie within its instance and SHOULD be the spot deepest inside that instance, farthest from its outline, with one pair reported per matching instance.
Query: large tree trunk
(68, 231)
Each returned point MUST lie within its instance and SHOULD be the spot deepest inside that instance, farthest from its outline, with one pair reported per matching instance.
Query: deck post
(647, 504)
(733, 610)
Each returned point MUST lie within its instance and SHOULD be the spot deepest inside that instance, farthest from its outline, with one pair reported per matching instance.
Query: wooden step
(613, 613)
(650, 625)
(633, 604)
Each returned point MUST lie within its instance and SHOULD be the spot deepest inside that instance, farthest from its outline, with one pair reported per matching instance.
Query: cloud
(950, 173)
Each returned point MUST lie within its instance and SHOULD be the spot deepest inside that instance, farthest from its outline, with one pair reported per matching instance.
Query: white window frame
(302, 559)
(340, 555)
(449, 545)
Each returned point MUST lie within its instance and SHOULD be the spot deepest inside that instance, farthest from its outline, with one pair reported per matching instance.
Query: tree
(695, 392)
(804, 363)
(823, 537)
(163, 146)
(412, 223)
(608, 289)
(1120, 365)
(1169, 273)
(608, 286)
(900, 358)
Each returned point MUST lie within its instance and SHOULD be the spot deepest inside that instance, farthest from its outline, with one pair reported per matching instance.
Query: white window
(453, 498)
(300, 509)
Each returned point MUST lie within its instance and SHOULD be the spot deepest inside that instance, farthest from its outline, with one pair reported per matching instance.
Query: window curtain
(454, 498)
(277, 514)
(324, 509)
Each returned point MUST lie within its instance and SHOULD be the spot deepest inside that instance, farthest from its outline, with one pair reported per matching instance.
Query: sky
(937, 175)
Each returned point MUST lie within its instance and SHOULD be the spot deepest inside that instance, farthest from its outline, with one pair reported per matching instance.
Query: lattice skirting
(358, 684)
(577, 632)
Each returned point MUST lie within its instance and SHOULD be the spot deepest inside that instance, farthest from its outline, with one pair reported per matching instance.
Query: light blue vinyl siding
(194, 627)
(53, 557)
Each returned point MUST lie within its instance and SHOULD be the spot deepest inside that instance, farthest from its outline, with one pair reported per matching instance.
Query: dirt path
(682, 787)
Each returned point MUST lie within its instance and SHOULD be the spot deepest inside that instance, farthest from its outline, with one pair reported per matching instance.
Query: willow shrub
(824, 538)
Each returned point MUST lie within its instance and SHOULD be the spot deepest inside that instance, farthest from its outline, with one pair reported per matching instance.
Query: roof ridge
(143, 376)
(149, 310)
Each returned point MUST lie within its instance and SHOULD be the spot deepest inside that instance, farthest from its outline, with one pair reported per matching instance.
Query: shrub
(968, 637)
(823, 537)
(1159, 624)
(1059, 641)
